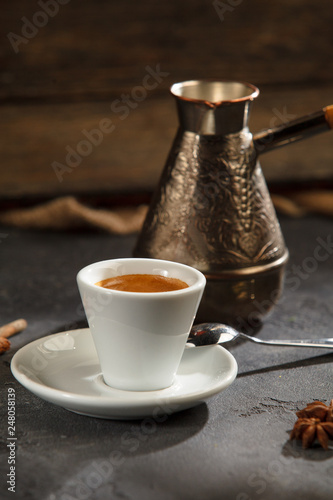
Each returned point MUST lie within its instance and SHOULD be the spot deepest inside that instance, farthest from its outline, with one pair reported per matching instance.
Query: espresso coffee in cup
(143, 283)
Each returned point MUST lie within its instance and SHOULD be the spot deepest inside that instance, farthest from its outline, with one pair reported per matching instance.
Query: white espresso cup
(139, 337)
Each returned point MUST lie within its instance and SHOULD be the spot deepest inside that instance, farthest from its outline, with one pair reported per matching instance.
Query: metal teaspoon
(218, 333)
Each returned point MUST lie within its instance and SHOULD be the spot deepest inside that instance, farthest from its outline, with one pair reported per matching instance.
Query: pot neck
(213, 108)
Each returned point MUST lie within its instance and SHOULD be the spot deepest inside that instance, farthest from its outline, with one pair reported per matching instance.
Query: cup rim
(200, 282)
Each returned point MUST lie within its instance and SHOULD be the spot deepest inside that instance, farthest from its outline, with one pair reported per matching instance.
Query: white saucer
(63, 368)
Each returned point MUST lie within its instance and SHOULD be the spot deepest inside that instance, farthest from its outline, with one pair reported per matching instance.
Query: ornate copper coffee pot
(212, 209)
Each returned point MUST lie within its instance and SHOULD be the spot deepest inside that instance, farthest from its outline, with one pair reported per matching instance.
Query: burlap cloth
(67, 212)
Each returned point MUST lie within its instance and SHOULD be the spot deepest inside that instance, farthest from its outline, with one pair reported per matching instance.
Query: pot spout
(294, 131)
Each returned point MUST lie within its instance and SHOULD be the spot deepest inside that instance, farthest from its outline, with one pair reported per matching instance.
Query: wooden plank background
(67, 64)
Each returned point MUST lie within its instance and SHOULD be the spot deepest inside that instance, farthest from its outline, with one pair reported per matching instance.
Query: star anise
(314, 421)
(317, 409)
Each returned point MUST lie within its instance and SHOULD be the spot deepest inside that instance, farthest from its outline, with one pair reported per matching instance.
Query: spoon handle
(325, 343)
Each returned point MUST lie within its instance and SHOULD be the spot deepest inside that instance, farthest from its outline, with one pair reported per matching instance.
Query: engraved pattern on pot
(212, 205)
(234, 213)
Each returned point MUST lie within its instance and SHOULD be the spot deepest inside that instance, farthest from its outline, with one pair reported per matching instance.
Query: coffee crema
(144, 283)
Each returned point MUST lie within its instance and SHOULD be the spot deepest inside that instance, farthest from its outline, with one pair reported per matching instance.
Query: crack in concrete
(272, 406)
